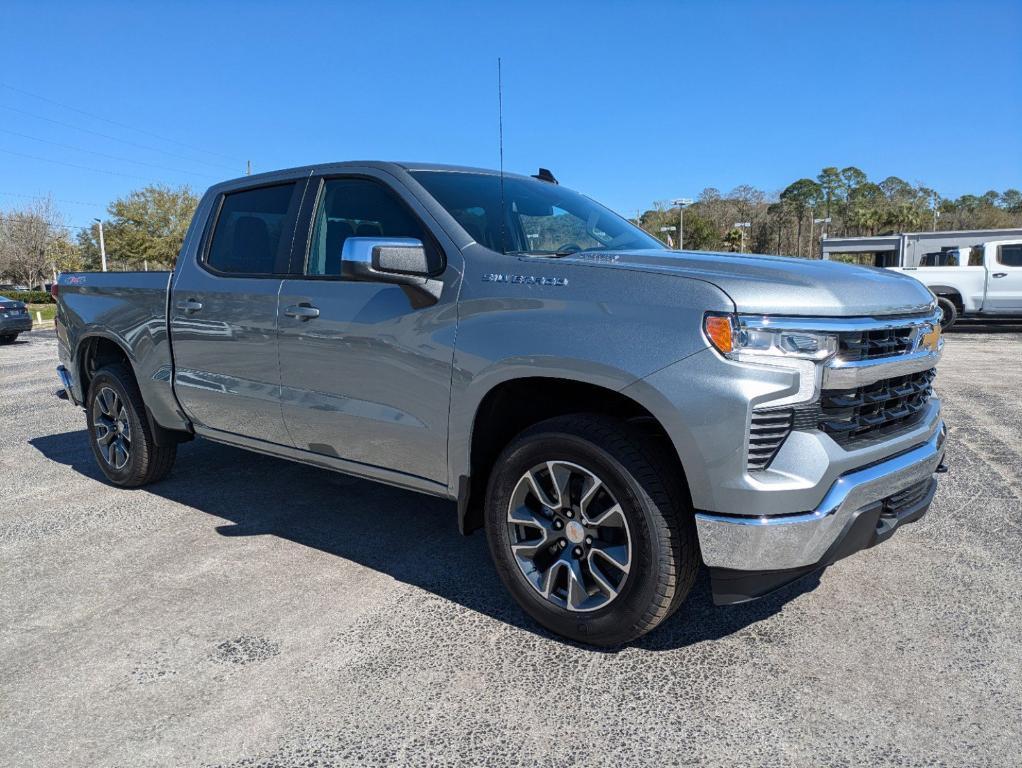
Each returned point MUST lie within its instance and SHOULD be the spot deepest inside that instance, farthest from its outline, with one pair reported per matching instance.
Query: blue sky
(628, 102)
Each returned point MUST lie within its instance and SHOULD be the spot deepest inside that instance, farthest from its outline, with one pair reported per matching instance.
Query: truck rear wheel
(119, 432)
(588, 530)
(948, 312)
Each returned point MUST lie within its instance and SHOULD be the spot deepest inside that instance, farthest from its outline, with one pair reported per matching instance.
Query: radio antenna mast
(500, 143)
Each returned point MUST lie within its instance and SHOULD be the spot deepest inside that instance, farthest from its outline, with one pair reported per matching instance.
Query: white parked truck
(985, 280)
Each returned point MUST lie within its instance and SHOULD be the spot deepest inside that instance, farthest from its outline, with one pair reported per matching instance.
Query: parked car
(985, 280)
(14, 319)
(612, 413)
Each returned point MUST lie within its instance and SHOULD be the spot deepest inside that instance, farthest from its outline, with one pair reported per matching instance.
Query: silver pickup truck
(612, 413)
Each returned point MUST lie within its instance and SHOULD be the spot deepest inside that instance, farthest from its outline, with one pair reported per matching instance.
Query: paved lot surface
(252, 612)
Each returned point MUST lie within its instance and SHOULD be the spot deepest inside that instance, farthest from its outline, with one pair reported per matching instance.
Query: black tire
(948, 312)
(146, 461)
(8, 339)
(665, 555)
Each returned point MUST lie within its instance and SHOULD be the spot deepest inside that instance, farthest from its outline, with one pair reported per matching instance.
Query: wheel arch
(950, 293)
(510, 406)
(98, 349)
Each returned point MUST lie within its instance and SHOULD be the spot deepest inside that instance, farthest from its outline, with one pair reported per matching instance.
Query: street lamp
(682, 203)
(741, 226)
(102, 245)
(668, 229)
(823, 232)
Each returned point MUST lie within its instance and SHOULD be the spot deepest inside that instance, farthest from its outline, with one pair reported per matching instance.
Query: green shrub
(29, 297)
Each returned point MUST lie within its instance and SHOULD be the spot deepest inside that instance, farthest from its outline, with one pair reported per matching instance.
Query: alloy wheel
(569, 536)
(112, 428)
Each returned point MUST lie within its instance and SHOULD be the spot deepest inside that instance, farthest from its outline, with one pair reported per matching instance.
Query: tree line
(145, 229)
(142, 230)
(838, 202)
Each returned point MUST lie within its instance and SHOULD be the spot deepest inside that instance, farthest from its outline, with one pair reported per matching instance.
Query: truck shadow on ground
(411, 537)
(970, 325)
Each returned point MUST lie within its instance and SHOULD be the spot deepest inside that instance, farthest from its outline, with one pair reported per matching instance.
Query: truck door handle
(999, 274)
(189, 305)
(302, 311)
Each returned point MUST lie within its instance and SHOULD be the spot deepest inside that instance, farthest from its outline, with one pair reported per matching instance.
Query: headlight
(747, 338)
(751, 339)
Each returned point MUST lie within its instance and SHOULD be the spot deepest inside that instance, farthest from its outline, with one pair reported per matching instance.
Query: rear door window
(252, 235)
(1010, 255)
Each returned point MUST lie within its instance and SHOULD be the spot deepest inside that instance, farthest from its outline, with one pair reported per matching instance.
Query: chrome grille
(869, 345)
(850, 415)
(766, 434)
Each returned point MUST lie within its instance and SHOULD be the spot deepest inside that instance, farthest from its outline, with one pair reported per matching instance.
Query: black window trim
(300, 266)
(288, 234)
(1000, 254)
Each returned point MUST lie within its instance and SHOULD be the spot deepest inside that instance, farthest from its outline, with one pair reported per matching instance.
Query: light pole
(682, 203)
(102, 245)
(823, 232)
(741, 226)
(668, 229)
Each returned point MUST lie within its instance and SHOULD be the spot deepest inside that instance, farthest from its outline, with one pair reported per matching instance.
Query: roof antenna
(500, 141)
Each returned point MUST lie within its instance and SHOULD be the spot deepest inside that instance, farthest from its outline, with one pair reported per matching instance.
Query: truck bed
(129, 308)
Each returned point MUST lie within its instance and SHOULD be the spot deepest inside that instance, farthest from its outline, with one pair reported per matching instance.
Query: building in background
(908, 248)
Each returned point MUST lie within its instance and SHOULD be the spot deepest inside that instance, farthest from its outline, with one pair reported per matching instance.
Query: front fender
(607, 328)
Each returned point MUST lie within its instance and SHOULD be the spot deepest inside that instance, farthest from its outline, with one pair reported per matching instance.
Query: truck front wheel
(588, 529)
(948, 312)
(119, 432)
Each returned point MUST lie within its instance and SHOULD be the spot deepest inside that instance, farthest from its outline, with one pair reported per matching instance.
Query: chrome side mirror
(395, 260)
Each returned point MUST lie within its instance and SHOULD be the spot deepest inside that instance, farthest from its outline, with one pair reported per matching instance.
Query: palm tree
(733, 240)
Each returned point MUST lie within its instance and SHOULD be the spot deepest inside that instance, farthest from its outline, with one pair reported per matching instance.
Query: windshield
(539, 218)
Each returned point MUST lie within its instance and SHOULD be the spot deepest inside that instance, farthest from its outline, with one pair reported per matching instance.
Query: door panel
(224, 315)
(368, 378)
(226, 375)
(1004, 286)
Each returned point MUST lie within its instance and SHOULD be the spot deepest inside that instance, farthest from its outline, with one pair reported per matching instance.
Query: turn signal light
(719, 331)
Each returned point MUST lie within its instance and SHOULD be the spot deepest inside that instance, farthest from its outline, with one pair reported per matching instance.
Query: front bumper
(749, 556)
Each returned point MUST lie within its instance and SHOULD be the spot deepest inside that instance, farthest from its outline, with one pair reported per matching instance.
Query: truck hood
(779, 285)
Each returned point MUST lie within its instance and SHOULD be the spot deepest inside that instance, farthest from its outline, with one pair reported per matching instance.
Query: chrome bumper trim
(861, 373)
(843, 324)
(792, 541)
(65, 380)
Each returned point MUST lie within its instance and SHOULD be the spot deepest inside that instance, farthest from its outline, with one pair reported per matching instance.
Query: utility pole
(823, 232)
(813, 223)
(102, 245)
(741, 226)
(248, 167)
(682, 203)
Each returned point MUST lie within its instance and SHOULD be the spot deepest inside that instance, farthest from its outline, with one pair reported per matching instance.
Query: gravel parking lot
(252, 612)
